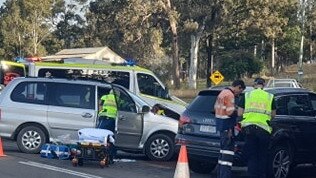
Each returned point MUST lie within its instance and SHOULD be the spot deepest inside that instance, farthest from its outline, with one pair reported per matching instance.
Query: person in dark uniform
(257, 108)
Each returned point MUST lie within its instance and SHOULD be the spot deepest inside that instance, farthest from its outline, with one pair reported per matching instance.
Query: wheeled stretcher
(94, 145)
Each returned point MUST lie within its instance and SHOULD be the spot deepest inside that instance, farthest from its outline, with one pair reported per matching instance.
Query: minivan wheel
(280, 162)
(201, 167)
(159, 147)
(30, 139)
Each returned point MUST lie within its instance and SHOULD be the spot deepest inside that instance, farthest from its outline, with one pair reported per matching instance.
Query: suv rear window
(204, 102)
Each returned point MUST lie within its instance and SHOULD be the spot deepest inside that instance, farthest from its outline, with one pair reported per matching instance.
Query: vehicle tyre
(201, 167)
(160, 147)
(30, 139)
(280, 162)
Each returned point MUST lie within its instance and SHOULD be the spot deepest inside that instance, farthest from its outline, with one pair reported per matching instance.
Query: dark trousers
(112, 153)
(106, 123)
(256, 151)
(109, 124)
(226, 156)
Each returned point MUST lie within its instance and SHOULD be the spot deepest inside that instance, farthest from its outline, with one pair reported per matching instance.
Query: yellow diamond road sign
(217, 77)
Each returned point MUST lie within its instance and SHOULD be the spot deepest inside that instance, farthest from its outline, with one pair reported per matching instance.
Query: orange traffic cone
(1, 149)
(182, 169)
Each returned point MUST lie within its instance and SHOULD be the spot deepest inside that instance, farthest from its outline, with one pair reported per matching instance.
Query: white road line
(58, 169)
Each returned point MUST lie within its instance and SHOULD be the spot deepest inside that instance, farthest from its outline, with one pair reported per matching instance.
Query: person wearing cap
(226, 114)
(257, 108)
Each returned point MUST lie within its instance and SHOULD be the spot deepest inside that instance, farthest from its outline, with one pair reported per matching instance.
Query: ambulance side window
(120, 78)
(148, 85)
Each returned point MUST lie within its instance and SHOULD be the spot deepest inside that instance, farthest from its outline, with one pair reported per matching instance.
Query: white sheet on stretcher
(95, 135)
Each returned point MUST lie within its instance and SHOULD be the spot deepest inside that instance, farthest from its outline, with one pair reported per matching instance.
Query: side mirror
(145, 109)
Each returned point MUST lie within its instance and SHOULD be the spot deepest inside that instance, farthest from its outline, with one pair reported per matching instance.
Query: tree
(310, 26)
(200, 18)
(173, 20)
(12, 30)
(238, 63)
(70, 28)
(25, 26)
(269, 17)
(36, 16)
(139, 29)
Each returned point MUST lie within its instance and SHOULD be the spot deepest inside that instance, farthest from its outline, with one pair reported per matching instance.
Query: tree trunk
(35, 35)
(311, 45)
(209, 60)
(175, 46)
(193, 61)
(176, 67)
(195, 41)
(272, 57)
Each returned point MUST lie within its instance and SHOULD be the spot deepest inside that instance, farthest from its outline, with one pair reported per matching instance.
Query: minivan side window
(30, 92)
(148, 85)
(124, 101)
(72, 95)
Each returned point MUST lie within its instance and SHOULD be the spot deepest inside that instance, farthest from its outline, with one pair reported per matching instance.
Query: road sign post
(217, 77)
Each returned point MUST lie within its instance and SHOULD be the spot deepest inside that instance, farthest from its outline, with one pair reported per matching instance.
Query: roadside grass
(308, 81)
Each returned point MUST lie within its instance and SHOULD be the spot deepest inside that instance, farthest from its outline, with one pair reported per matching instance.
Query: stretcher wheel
(74, 162)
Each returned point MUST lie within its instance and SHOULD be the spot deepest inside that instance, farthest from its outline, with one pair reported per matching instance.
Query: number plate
(208, 129)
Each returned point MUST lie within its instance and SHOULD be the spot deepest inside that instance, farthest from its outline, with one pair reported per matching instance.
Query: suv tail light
(182, 121)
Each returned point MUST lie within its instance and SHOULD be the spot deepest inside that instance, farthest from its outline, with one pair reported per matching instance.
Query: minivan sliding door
(71, 107)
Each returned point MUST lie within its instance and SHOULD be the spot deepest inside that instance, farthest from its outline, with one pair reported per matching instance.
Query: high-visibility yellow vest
(109, 106)
(257, 110)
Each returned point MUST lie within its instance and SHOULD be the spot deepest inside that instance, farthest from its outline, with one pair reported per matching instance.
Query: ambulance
(10, 70)
(138, 80)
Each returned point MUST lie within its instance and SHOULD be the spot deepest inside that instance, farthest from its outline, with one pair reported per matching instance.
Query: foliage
(157, 33)
(289, 45)
(236, 64)
(25, 25)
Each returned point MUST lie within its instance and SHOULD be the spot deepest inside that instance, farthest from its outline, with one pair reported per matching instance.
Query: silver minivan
(38, 110)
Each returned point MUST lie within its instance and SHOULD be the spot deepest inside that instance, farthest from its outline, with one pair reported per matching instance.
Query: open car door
(129, 123)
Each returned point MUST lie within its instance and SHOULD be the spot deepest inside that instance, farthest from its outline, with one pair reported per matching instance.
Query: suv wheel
(280, 162)
(201, 167)
(30, 139)
(160, 147)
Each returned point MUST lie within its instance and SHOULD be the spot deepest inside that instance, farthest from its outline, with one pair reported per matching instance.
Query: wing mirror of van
(145, 109)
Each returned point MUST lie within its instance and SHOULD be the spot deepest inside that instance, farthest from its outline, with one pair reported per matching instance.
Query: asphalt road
(21, 165)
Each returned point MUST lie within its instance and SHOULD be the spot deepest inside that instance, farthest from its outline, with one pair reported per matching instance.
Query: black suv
(293, 139)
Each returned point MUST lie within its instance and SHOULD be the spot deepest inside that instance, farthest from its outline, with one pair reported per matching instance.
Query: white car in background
(277, 83)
